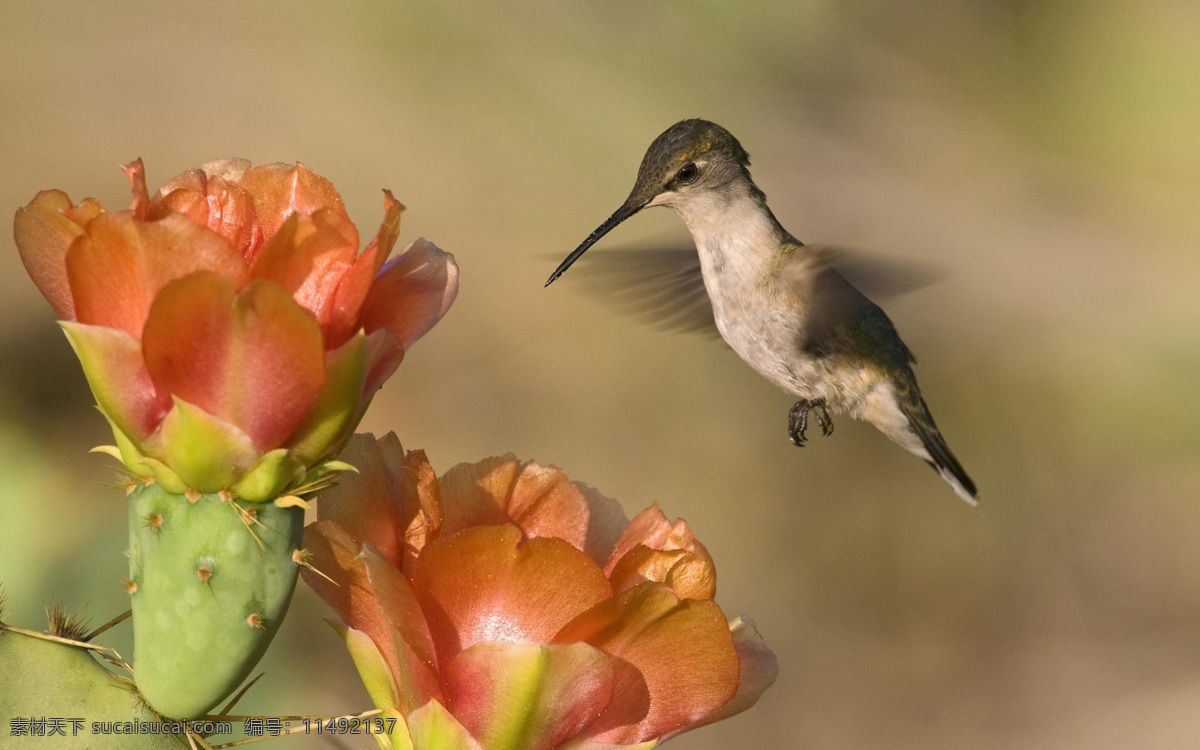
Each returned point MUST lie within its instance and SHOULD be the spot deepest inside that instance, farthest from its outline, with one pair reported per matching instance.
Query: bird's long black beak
(626, 210)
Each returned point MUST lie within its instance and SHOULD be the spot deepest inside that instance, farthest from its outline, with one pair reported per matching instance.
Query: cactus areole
(210, 580)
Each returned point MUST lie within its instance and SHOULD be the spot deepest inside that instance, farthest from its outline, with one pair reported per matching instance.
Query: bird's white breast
(759, 312)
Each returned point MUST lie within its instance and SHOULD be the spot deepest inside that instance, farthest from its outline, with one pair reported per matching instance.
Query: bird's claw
(798, 420)
(823, 418)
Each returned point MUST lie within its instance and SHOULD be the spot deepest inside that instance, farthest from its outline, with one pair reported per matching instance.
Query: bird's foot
(798, 420)
(823, 417)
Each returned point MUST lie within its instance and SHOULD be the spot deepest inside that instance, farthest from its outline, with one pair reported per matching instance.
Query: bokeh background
(1043, 156)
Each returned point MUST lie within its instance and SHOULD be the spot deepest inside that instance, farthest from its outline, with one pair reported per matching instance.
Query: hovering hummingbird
(785, 307)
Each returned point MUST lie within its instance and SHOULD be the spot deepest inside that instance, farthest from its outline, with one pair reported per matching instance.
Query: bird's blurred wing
(877, 277)
(664, 287)
(661, 286)
(841, 318)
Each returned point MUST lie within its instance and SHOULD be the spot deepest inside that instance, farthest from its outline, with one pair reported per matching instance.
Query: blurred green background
(1044, 156)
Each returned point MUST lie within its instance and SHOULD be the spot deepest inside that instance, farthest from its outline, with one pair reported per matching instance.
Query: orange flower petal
(758, 671)
(308, 257)
(652, 529)
(412, 292)
(389, 229)
(135, 172)
(606, 523)
(390, 502)
(210, 197)
(44, 230)
(363, 502)
(483, 584)
(280, 190)
(525, 696)
(417, 676)
(120, 264)
(378, 604)
(540, 501)
(253, 359)
(690, 576)
(356, 282)
(426, 523)
(675, 661)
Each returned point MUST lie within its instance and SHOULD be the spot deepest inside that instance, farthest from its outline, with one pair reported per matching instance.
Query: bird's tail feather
(938, 453)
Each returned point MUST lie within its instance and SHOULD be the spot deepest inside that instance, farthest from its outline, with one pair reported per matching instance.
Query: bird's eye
(687, 173)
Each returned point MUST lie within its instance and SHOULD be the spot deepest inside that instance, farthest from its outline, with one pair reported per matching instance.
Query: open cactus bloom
(504, 607)
(233, 335)
(229, 328)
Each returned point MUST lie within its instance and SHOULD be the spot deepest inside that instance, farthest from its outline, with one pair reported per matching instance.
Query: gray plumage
(795, 313)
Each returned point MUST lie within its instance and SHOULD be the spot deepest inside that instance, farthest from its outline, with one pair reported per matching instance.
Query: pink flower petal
(118, 267)
(412, 292)
(483, 584)
(525, 696)
(254, 359)
(112, 361)
(44, 230)
(384, 355)
(674, 661)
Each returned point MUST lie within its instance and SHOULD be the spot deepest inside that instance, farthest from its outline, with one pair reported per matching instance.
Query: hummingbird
(786, 308)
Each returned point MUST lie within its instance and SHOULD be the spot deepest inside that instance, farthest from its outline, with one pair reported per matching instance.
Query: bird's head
(691, 160)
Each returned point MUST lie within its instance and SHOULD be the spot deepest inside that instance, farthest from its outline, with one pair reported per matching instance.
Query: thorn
(204, 573)
(71, 627)
(302, 556)
(248, 517)
(154, 521)
(192, 495)
(226, 496)
(114, 621)
(229, 706)
(255, 621)
(131, 587)
(147, 481)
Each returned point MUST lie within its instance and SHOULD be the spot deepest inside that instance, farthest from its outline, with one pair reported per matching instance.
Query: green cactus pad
(71, 694)
(210, 581)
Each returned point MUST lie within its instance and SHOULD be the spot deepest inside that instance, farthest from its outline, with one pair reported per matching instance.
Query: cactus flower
(229, 328)
(504, 607)
(233, 335)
